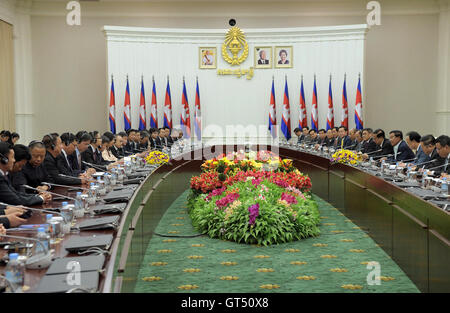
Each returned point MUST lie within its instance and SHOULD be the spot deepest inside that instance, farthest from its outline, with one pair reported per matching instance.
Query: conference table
(415, 233)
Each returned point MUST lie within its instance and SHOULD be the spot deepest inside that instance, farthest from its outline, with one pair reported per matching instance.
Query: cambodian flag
(185, 120)
(127, 109)
(153, 108)
(273, 113)
(198, 115)
(330, 113)
(344, 119)
(286, 115)
(112, 108)
(358, 109)
(302, 120)
(142, 114)
(168, 107)
(314, 109)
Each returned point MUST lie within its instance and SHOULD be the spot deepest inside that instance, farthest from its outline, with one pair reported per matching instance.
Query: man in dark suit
(313, 138)
(155, 142)
(441, 164)
(322, 141)
(412, 139)
(344, 141)
(401, 150)
(7, 192)
(369, 145)
(132, 143)
(383, 145)
(144, 141)
(169, 137)
(427, 149)
(359, 141)
(91, 154)
(262, 57)
(33, 172)
(53, 145)
(117, 148)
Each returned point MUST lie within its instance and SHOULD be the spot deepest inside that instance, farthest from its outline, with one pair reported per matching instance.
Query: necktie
(342, 143)
(79, 160)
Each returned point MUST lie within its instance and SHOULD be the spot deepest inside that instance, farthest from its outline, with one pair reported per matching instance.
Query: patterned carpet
(333, 262)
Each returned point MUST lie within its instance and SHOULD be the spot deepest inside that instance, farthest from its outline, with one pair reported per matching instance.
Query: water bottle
(67, 212)
(44, 238)
(424, 178)
(15, 270)
(48, 217)
(92, 194)
(383, 162)
(444, 187)
(101, 187)
(120, 174)
(113, 179)
(78, 211)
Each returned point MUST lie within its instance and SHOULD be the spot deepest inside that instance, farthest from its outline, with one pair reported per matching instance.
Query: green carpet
(203, 264)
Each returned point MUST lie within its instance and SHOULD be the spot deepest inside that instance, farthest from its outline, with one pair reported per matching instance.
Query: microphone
(374, 151)
(94, 166)
(32, 209)
(67, 176)
(408, 160)
(38, 261)
(423, 163)
(432, 168)
(65, 186)
(388, 155)
(52, 193)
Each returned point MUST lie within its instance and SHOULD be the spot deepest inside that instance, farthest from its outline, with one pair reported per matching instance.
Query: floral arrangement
(255, 211)
(345, 157)
(240, 199)
(157, 157)
(229, 164)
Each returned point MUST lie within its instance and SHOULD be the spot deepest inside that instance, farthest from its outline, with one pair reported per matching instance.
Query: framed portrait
(263, 57)
(207, 57)
(283, 57)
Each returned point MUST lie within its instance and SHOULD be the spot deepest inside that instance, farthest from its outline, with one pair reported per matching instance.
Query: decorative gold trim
(229, 278)
(328, 256)
(169, 240)
(191, 270)
(338, 270)
(229, 251)
(298, 263)
(165, 251)
(385, 278)
(291, 250)
(261, 256)
(347, 240)
(152, 278)
(195, 257)
(197, 245)
(320, 245)
(306, 277)
(228, 263)
(173, 232)
(265, 270)
(158, 263)
(357, 250)
(269, 286)
(352, 287)
(187, 287)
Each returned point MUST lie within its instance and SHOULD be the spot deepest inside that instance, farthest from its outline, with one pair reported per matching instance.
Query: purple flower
(253, 213)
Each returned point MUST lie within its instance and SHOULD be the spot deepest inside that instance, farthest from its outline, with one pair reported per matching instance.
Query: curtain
(7, 105)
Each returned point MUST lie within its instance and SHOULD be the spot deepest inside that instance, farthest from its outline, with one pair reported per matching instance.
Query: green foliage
(277, 221)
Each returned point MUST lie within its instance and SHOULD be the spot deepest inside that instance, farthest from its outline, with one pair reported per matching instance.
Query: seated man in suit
(413, 141)
(313, 138)
(427, 149)
(359, 141)
(33, 173)
(352, 135)
(22, 156)
(298, 133)
(440, 166)
(401, 150)
(144, 139)
(8, 194)
(383, 147)
(322, 139)
(91, 154)
(168, 137)
(344, 141)
(83, 140)
(368, 145)
(117, 148)
(53, 162)
(162, 137)
(131, 145)
(155, 142)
